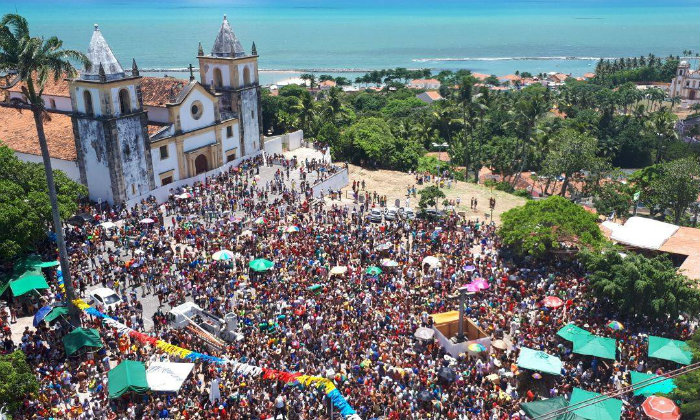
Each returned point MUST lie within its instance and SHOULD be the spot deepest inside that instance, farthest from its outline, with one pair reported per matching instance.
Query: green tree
(25, 207)
(688, 384)
(571, 152)
(35, 60)
(677, 186)
(17, 381)
(328, 134)
(637, 285)
(430, 196)
(541, 227)
(613, 197)
(369, 140)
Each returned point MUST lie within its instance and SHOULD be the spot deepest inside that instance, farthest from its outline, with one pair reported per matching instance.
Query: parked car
(391, 213)
(431, 214)
(104, 298)
(375, 215)
(407, 213)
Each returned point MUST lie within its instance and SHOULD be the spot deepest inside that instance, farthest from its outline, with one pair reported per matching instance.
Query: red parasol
(661, 408)
(552, 302)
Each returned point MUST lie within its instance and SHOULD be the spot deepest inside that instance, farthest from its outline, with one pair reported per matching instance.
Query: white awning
(645, 233)
(167, 376)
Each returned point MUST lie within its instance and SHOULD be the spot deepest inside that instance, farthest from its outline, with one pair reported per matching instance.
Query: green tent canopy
(55, 313)
(537, 409)
(30, 265)
(603, 409)
(667, 349)
(594, 345)
(261, 264)
(28, 283)
(571, 331)
(48, 264)
(540, 361)
(128, 376)
(661, 387)
(79, 338)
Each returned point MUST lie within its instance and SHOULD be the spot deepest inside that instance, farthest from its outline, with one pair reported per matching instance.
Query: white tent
(167, 376)
(641, 232)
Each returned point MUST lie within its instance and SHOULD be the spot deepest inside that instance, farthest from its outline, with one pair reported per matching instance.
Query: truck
(216, 332)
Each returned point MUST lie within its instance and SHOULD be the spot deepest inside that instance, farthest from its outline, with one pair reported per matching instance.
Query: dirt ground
(394, 184)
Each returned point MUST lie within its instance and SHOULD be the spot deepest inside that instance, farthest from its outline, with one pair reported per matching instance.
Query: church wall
(132, 98)
(158, 114)
(93, 149)
(233, 142)
(200, 140)
(249, 118)
(241, 74)
(96, 100)
(68, 167)
(132, 151)
(187, 121)
(164, 165)
(209, 74)
(62, 103)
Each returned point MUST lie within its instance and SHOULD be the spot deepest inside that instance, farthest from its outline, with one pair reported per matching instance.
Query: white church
(123, 135)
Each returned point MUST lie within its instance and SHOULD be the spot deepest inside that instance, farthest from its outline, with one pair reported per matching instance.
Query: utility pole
(462, 298)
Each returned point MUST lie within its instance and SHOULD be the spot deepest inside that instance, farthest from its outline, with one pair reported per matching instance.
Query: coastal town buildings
(686, 84)
(429, 97)
(123, 135)
(427, 84)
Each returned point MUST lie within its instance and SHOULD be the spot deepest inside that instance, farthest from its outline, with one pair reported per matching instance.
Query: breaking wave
(559, 58)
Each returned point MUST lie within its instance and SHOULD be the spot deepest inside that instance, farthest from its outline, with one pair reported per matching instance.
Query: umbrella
(552, 302)
(292, 229)
(616, 325)
(481, 283)
(260, 220)
(447, 374)
(373, 271)
(425, 396)
(147, 220)
(236, 219)
(384, 246)
(661, 408)
(389, 263)
(469, 268)
(223, 255)
(499, 344)
(247, 232)
(108, 225)
(432, 261)
(424, 333)
(536, 376)
(40, 314)
(261, 264)
(184, 196)
(476, 347)
(471, 287)
(338, 269)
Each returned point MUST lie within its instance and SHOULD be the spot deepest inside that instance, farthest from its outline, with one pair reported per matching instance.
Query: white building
(686, 84)
(427, 84)
(123, 135)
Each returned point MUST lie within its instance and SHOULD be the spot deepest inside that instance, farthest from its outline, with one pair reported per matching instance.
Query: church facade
(686, 84)
(133, 134)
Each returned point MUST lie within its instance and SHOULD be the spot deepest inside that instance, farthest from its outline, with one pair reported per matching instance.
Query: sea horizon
(345, 38)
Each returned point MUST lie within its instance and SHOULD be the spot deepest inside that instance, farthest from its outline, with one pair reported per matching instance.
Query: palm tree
(35, 60)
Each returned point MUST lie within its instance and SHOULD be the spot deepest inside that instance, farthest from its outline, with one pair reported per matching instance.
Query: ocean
(350, 37)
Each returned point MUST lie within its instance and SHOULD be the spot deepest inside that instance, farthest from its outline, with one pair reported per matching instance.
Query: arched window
(124, 101)
(218, 79)
(87, 99)
(246, 76)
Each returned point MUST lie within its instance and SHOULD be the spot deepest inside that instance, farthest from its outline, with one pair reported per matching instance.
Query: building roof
(588, 75)
(481, 76)
(100, 54)
(641, 232)
(510, 78)
(330, 83)
(18, 133)
(424, 81)
(226, 43)
(52, 87)
(686, 241)
(435, 96)
(158, 91)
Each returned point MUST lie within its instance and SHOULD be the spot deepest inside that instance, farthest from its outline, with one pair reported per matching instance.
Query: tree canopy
(17, 380)
(541, 227)
(676, 186)
(430, 196)
(25, 210)
(637, 285)
(688, 384)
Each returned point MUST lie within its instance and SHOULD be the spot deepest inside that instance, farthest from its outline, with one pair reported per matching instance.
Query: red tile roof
(51, 87)
(424, 81)
(17, 131)
(158, 91)
(434, 95)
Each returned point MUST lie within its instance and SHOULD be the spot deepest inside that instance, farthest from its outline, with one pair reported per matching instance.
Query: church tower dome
(226, 43)
(100, 55)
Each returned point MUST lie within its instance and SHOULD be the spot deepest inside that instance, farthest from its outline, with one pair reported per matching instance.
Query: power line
(604, 397)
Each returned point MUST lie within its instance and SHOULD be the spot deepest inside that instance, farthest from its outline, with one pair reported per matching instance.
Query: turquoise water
(495, 37)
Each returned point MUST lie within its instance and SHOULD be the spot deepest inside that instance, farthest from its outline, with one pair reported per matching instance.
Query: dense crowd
(356, 329)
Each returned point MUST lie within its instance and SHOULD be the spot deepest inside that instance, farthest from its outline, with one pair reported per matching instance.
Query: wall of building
(133, 155)
(333, 183)
(93, 149)
(133, 100)
(158, 114)
(249, 119)
(233, 142)
(200, 140)
(68, 167)
(209, 73)
(164, 165)
(80, 100)
(187, 121)
(273, 145)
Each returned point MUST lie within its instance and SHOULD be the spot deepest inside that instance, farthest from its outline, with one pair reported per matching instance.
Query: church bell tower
(110, 127)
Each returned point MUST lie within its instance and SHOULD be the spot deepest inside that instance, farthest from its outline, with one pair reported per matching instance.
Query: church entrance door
(200, 164)
(691, 95)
